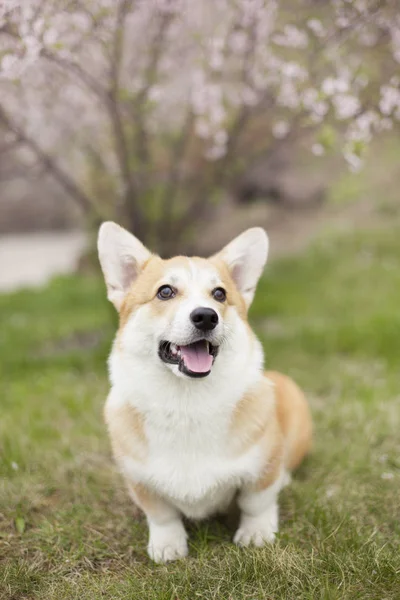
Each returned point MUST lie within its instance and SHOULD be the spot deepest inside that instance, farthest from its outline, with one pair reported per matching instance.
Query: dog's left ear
(246, 256)
(121, 256)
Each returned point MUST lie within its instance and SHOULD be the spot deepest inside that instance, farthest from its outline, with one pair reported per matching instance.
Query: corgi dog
(195, 424)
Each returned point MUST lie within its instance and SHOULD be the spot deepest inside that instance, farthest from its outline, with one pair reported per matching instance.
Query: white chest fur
(189, 460)
(189, 463)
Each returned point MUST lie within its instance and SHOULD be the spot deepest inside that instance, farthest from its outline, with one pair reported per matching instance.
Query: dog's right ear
(121, 257)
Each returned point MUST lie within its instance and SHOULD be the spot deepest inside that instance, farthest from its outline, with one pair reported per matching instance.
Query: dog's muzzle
(194, 360)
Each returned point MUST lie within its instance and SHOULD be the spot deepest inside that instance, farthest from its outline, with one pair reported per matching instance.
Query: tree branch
(134, 213)
(171, 186)
(69, 185)
(9, 147)
(141, 141)
(76, 69)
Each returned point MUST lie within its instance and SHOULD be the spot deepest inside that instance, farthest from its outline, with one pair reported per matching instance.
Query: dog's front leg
(167, 535)
(259, 513)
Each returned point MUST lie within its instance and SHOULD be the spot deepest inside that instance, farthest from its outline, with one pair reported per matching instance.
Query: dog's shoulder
(125, 424)
(254, 415)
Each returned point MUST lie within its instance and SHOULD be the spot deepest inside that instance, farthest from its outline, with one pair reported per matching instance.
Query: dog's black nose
(204, 318)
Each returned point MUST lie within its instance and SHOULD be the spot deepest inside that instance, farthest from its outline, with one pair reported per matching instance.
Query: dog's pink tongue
(196, 357)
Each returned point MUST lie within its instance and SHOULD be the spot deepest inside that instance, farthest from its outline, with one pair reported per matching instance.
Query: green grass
(331, 319)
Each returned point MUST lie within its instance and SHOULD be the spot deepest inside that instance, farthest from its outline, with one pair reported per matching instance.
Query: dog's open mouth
(194, 359)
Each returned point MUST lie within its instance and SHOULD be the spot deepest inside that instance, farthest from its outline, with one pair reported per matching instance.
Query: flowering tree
(144, 110)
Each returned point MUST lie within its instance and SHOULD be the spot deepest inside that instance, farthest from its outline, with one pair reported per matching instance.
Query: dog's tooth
(174, 349)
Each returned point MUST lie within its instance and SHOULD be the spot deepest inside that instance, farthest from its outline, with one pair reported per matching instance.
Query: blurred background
(187, 122)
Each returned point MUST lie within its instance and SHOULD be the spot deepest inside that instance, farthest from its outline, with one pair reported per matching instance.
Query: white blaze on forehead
(193, 278)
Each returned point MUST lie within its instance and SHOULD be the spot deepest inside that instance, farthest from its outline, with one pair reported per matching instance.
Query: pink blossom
(291, 37)
(280, 129)
(288, 95)
(217, 61)
(238, 42)
(390, 99)
(354, 162)
(203, 128)
(249, 96)
(318, 149)
(215, 152)
(316, 27)
(333, 85)
(346, 106)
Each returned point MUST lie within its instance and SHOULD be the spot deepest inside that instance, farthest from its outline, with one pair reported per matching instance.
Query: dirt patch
(30, 260)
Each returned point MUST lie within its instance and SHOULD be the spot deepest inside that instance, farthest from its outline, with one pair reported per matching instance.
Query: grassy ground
(331, 319)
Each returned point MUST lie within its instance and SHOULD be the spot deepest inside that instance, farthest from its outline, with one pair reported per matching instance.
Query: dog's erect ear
(121, 257)
(246, 256)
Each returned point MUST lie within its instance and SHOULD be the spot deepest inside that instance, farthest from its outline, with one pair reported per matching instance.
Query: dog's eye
(166, 292)
(219, 294)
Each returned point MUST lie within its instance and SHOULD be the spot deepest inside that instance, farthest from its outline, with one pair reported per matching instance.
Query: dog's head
(181, 311)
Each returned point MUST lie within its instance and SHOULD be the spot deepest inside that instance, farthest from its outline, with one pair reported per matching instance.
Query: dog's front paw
(256, 531)
(172, 551)
(167, 542)
(245, 536)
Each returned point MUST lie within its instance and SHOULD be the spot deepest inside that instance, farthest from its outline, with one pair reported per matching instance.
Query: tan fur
(253, 417)
(273, 464)
(126, 428)
(143, 289)
(255, 423)
(233, 296)
(275, 415)
(294, 418)
(146, 500)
